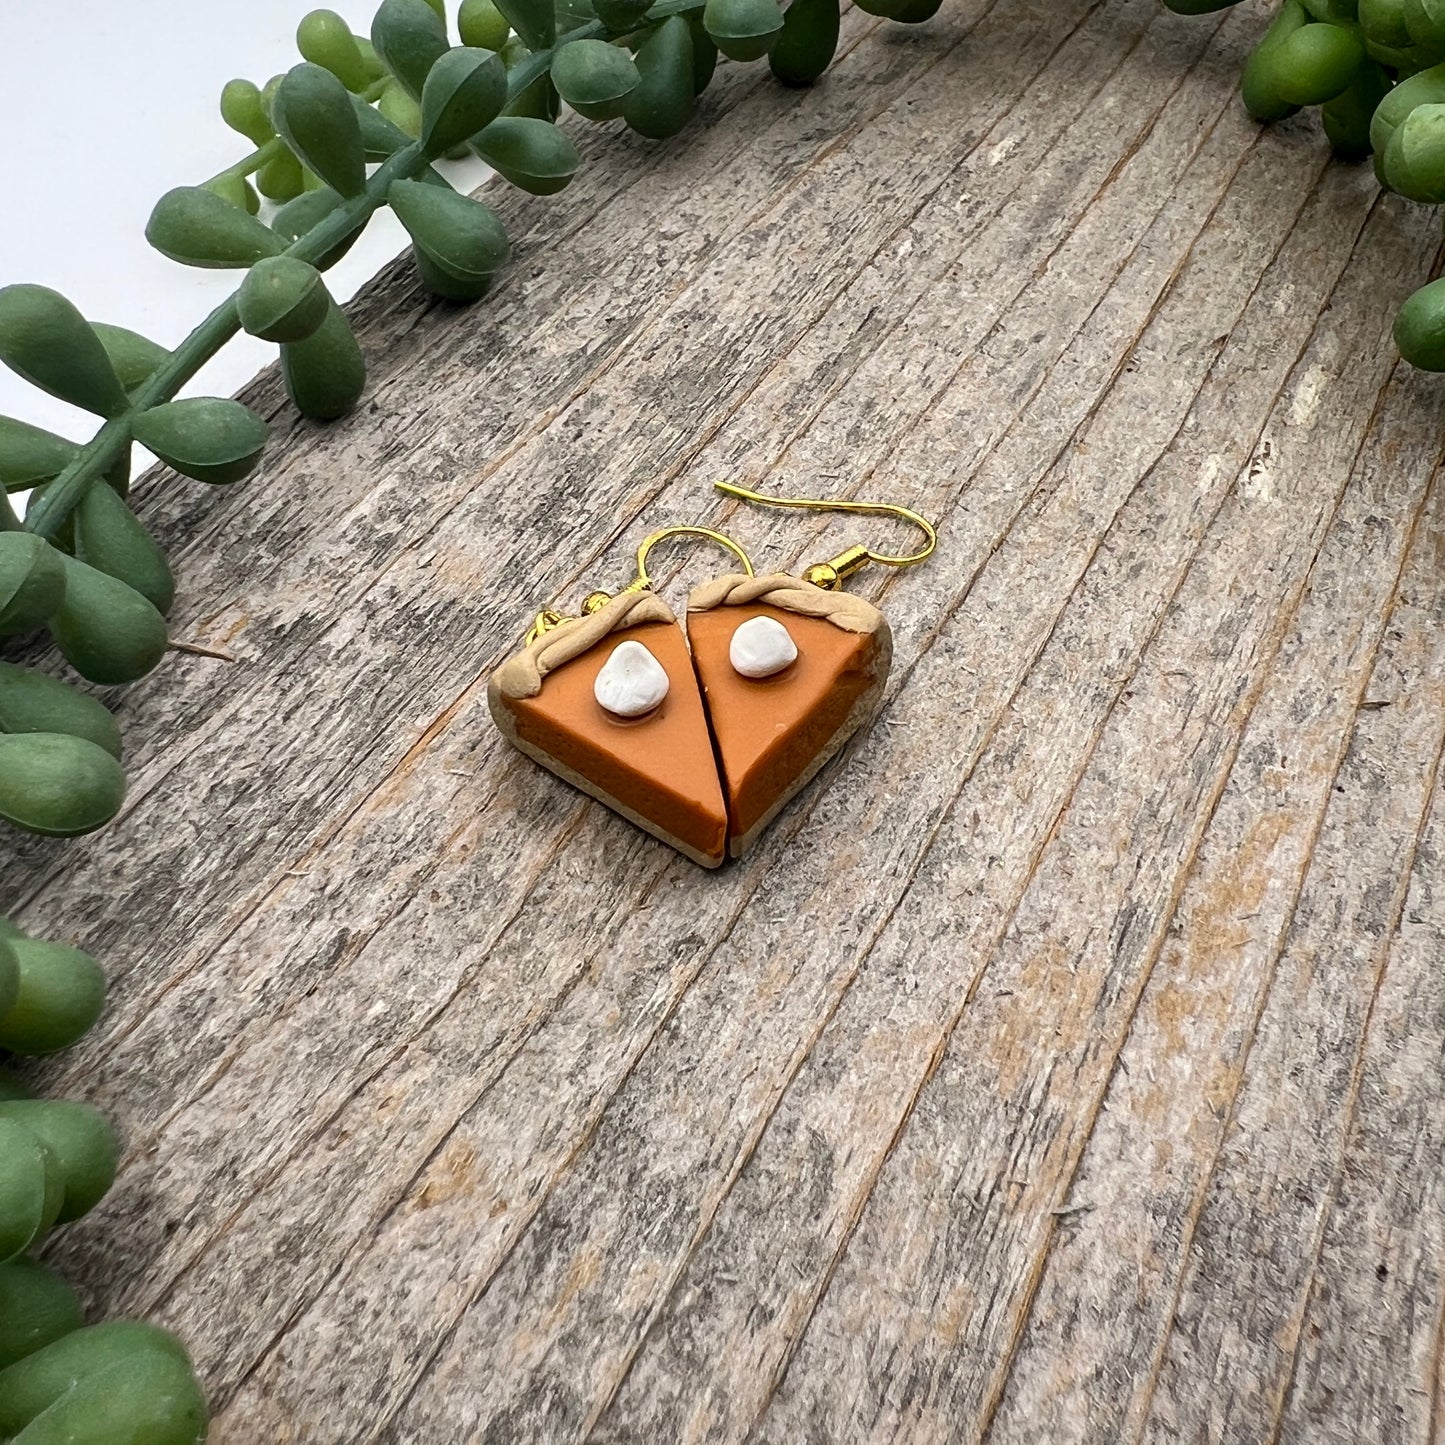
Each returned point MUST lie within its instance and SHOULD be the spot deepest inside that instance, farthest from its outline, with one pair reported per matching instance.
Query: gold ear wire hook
(542, 624)
(643, 581)
(830, 574)
(550, 618)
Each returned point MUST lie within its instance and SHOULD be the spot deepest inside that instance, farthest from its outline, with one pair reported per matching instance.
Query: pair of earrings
(702, 739)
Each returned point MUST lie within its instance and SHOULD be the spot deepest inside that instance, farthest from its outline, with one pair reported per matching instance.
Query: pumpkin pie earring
(703, 740)
(791, 667)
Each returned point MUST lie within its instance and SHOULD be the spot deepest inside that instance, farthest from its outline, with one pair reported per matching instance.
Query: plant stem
(62, 495)
(249, 165)
(48, 513)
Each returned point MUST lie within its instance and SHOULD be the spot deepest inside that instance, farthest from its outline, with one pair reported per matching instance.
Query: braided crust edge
(521, 674)
(791, 594)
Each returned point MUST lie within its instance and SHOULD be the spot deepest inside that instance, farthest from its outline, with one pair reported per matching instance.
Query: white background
(110, 103)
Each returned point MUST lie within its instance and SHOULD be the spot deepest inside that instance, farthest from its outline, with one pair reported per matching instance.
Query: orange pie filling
(772, 732)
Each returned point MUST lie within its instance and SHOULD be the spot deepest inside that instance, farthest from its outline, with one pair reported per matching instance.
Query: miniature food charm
(771, 738)
(657, 769)
(700, 740)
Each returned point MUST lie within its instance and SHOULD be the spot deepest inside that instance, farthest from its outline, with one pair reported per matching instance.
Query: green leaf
(27, 1190)
(532, 154)
(314, 114)
(32, 582)
(280, 179)
(325, 39)
(534, 20)
(1383, 21)
(205, 437)
(913, 12)
(61, 994)
(1425, 21)
(29, 455)
(236, 191)
(381, 134)
(538, 100)
(243, 110)
(1425, 88)
(85, 1148)
(1347, 117)
(47, 341)
(1414, 161)
(1420, 327)
(662, 102)
(465, 91)
(409, 37)
(1259, 83)
(105, 629)
(594, 78)
(459, 242)
(481, 25)
(109, 537)
(805, 48)
(57, 785)
(196, 227)
(743, 29)
(32, 702)
(135, 358)
(570, 14)
(621, 16)
(1316, 63)
(282, 299)
(704, 53)
(121, 1382)
(37, 1307)
(370, 59)
(268, 94)
(325, 374)
(9, 975)
(398, 108)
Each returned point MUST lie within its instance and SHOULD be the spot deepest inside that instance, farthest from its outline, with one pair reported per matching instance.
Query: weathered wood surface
(1068, 1063)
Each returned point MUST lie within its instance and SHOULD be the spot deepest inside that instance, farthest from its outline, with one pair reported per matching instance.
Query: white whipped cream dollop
(762, 646)
(632, 681)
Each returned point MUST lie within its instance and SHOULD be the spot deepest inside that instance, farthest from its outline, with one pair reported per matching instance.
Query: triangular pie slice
(773, 733)
(658, 769)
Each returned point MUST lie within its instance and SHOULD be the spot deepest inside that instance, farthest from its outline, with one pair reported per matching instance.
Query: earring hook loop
(643, 580)
(549, 619)
(830, 574)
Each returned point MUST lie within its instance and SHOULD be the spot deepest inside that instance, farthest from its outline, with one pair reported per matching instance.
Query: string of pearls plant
(1375, 69)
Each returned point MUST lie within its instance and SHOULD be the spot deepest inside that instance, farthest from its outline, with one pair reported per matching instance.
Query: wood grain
(1066, 1064)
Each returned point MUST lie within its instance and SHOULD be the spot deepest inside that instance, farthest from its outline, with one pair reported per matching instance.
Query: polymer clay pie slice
(776, 720)
(651, 761)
